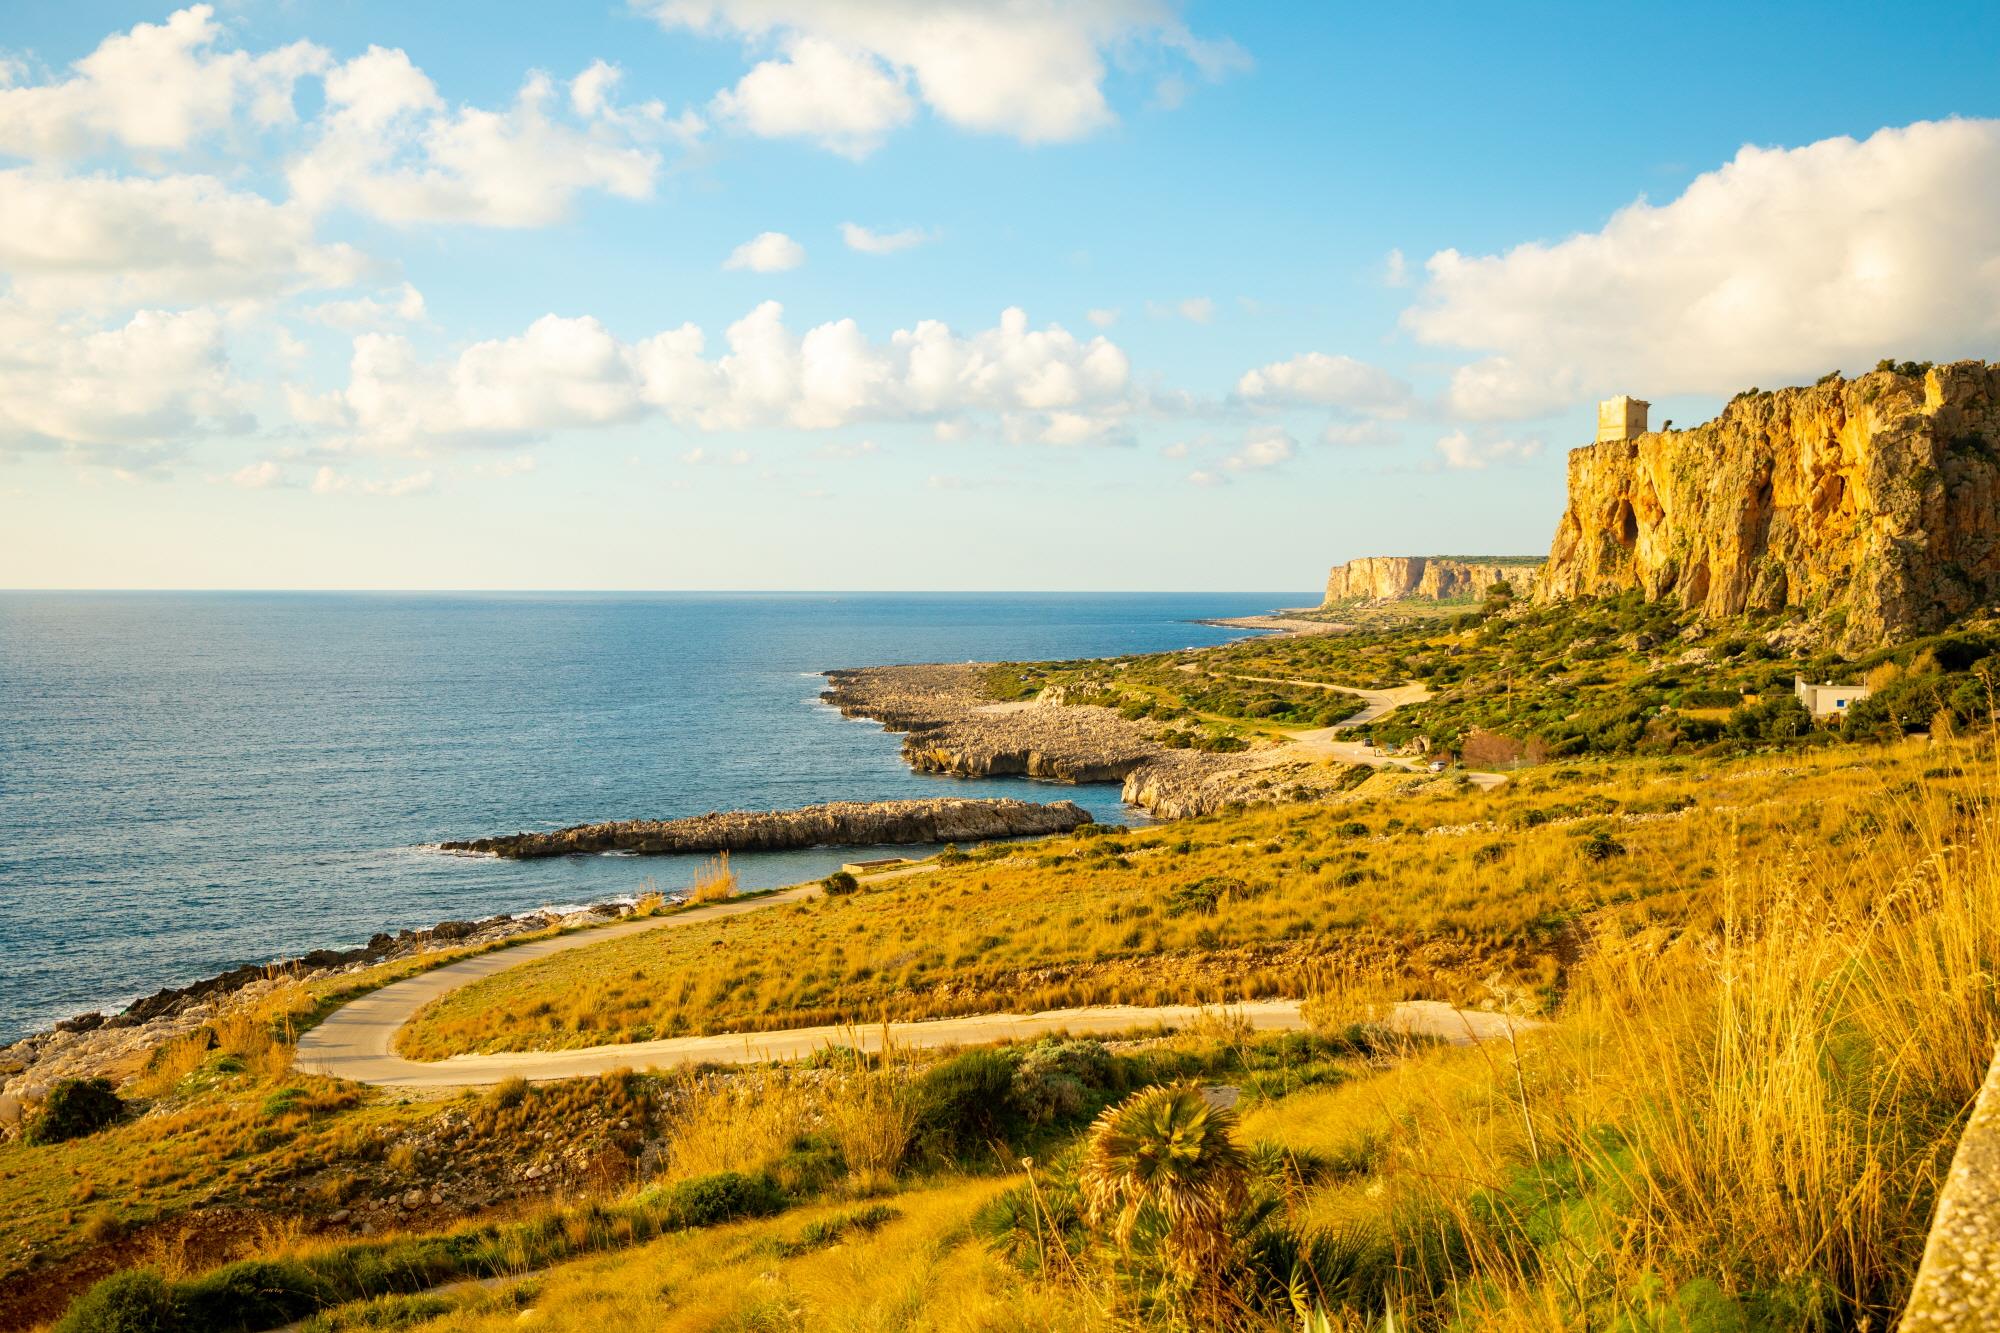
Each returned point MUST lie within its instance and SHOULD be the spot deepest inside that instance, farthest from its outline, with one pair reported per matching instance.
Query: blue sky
(316, 295)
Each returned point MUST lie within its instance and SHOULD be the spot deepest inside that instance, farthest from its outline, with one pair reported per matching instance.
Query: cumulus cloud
(256, 476)
(767, 252)
(1462, 453)
(1315, 379)
(846, 72)
(1262, 448)
(1102, 317)
(100, 241)
(405, 305)
(1046, 384)
(158, 87)
(159, 379)
(880, 242)
(841, 99)
(388, 146)
(1778, 265)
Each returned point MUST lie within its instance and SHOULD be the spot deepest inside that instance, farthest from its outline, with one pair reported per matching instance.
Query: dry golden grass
(1741, 1123)
(920, 1272)
(713, 881)
(1444, 891)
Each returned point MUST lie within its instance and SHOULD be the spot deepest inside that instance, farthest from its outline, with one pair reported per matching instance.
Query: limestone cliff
(1383, 578)
(1873, 504)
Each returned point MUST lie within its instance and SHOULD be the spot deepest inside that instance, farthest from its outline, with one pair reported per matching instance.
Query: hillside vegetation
(1735, 1118)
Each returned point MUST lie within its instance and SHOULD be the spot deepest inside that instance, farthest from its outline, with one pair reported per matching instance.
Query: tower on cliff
(1621, 418)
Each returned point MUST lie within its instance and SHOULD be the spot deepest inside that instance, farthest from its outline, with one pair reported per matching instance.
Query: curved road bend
(357, 1040)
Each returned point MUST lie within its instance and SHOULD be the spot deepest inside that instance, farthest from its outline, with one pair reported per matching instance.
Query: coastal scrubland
(1759, 951)
(1460, 893)
(1734, 1116)
(1510, 681)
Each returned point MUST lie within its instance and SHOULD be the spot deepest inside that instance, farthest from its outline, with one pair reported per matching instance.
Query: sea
(194, 781)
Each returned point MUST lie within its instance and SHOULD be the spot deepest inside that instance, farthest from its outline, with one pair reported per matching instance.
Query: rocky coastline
(836, 824)
(951, 727)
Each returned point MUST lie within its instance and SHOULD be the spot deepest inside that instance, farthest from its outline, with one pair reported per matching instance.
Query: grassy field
(1765, 1026)
(1461, 894)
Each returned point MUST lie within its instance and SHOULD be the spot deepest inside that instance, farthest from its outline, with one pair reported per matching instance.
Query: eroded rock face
(1385, 578)
(1873, 504)
(836, 824)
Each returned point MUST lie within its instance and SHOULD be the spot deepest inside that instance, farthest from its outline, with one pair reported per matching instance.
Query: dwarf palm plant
(1164, 1164)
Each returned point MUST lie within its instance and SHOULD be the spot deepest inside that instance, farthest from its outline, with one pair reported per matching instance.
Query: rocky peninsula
(836, 824)
(952, 727)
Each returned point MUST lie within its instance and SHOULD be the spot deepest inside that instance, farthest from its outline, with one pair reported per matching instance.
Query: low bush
(75, 1107)
(839, 884)
(962, 1106)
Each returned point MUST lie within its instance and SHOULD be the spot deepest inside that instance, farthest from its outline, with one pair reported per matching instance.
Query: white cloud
(767, 252)
(841, 99)
(1462, 453)
(881, 243)
(158, 87)
(1019, 67)
(256, 476)
(1205, 477)
(1315, 379)
(1178, 449)
(404, 306)
(1263, 448)
(1779, 265)
(102, 241)
(388, 146)
(159, 379)
(1046, 384)
(1194, 309)
(1103, 318)
(1395, 270)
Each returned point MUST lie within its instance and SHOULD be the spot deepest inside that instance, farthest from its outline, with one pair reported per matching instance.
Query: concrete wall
(1958, 1286)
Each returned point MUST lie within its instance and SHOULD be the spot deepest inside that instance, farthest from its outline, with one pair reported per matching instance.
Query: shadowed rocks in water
(837, 824)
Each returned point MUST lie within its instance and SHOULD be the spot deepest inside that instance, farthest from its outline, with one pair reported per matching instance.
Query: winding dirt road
(357, 1041)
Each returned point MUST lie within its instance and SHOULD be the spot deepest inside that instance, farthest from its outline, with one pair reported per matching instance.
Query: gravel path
(357, 1041)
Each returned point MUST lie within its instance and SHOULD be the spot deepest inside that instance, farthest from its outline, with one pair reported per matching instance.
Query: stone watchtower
(1621, 418)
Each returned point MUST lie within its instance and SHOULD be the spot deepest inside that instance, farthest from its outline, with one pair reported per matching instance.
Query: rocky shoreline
(952, 728)
(836, 824)
(117, 1045)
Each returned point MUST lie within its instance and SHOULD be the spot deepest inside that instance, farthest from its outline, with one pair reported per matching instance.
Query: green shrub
(961, 1106)
(75, 1107)
(1203, 896)
(839, 884)
(139, 1301)
(1055, 1077)
(722, 1197)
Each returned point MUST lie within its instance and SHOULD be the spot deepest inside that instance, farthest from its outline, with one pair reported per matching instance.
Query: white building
(1827, 700)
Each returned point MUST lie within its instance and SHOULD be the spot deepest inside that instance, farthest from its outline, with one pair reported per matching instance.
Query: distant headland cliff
(1871, 505)
(1439, 578)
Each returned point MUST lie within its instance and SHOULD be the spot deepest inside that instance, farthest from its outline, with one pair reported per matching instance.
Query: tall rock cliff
(1872, 503)
(1379, 578)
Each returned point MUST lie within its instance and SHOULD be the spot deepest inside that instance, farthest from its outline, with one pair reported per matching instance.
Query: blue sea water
(191, 781)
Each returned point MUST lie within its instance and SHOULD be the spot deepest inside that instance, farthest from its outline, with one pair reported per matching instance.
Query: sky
(929, 294)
